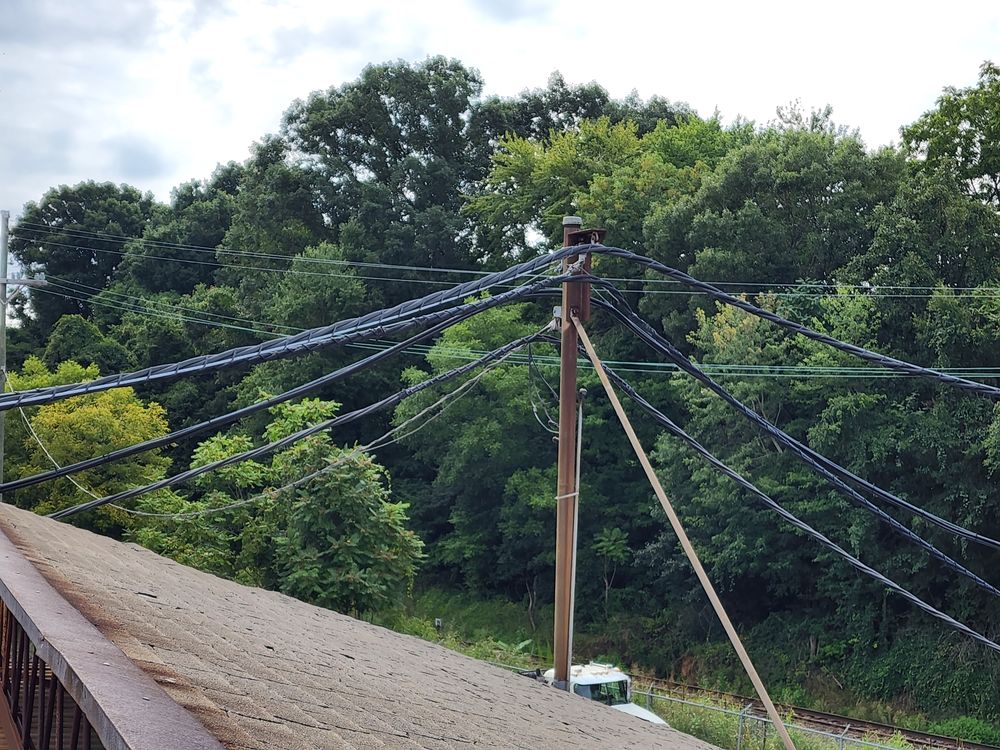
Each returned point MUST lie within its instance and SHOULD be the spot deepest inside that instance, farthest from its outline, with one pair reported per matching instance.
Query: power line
(389, 438)
(370, 325)
(747, 370)
(800, 288)
(389, 401)
(441, 321)
(790, 518)
(94, 291)
(833, 473)
(883, 360)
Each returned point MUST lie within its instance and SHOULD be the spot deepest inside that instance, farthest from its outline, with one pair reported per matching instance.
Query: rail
(36, 712)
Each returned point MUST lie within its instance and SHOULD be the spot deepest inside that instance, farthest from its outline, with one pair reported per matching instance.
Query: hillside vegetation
(407, 179)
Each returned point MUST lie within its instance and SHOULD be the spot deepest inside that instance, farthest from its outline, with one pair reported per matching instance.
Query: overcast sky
(156, 92)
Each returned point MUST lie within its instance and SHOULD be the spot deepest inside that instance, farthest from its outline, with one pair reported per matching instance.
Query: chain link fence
(741, 729)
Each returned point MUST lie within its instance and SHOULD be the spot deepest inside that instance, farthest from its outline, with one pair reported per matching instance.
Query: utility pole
(4, 301)
(575, 302)
(4, 242)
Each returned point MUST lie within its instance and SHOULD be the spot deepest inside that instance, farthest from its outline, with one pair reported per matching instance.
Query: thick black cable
(374, 323)
(651, 337)
(328, 335)
(327, 424)
(789, 517)
(843, 473)
(446, 319)
(660, 344)
(882, 360)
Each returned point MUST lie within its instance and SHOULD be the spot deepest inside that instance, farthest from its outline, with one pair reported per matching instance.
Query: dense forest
(408, 180)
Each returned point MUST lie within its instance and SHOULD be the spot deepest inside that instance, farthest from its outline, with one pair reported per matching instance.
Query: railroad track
(832, 723)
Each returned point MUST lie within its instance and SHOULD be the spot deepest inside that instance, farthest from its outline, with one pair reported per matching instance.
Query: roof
(262, 670)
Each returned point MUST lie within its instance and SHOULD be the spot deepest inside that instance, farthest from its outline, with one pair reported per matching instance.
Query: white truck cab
(606, 684)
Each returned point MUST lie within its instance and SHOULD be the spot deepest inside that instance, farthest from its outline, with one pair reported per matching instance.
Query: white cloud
(158, 93)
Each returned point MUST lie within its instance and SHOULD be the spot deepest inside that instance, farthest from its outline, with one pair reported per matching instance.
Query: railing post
(649, 698)
(742, 724)
(842, 739)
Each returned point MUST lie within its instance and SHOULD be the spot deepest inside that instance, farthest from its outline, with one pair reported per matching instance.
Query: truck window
(609, 693)
(617, 692)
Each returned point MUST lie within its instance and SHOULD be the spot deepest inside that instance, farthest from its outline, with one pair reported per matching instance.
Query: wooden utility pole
(4, 244)
(575, 303)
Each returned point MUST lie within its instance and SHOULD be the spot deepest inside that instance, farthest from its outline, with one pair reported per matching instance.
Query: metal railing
(745, 730)
(36, 712)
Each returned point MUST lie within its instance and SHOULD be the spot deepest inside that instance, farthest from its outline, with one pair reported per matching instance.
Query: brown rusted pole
(573, 296)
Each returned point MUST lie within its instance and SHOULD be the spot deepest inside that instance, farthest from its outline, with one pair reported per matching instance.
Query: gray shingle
(263, 670)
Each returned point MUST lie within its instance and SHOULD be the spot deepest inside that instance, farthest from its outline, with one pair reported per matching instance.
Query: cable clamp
(568, 495)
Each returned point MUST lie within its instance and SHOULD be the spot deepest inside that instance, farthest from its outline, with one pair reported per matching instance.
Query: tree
(791, 205)
(176, 252)
(75, 235)
(276, 215)
(389, 155)
(611, 546)
(71, 430)
(75, 338)
(338, 540)
(962, 135)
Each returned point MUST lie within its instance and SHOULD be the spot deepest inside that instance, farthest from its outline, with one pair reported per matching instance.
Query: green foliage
(71, 430)
(346, 546)
(58, 236)
(969, 729)
(962, 135)
(175, 252)
(337, 540)
(895, 250)
(76, 338)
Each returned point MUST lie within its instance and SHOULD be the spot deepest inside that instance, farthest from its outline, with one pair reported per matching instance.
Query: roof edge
(126, 708)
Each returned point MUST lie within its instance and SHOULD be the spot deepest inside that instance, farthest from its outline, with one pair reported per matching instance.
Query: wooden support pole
(573, 298)
(689, 550)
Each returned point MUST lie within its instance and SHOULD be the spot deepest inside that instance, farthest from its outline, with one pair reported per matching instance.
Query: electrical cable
(388, 438)
(94, 291)
(802, 451)
(822, 288)
(445, 318)
(804, 454)
(371, 324)
(883, 360)
(789, 517)
(327, 424)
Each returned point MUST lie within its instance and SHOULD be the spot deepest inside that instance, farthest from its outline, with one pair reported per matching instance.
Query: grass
(500, 631)
(719, 724)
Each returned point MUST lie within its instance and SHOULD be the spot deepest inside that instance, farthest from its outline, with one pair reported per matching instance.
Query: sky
(157, 92)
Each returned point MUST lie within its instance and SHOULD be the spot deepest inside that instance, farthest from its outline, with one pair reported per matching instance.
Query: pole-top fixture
(572, 221)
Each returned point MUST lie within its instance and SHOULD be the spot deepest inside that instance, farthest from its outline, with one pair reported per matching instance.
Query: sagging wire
(790, 518)
(370, 325)
(442, 320)
(389, 401)
(882, 360)
(646, 333)
(549, 425)
(389, 438)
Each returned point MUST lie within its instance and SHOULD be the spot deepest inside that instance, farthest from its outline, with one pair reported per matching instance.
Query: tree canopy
(409, 179)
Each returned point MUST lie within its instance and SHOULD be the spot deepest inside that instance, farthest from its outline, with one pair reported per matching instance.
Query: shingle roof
(263, 670)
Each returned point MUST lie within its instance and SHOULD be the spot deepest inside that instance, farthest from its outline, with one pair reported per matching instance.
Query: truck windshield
(610, 693)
